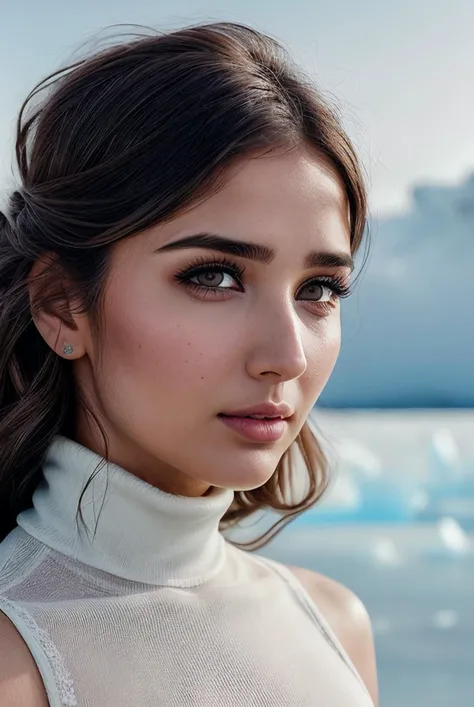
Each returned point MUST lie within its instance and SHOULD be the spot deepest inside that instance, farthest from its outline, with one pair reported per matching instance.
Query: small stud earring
(68, 349)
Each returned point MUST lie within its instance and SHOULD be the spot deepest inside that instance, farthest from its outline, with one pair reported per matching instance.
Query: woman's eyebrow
(253, 251)
(211, 241)
(329, 259)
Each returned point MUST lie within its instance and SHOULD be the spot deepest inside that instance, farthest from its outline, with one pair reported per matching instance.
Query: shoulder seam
(314, 613)
(39, 555)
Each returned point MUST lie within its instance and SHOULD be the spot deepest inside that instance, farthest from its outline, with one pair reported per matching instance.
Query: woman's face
(191, 332)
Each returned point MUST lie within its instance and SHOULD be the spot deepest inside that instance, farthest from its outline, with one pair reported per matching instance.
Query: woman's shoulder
(339, 602)
(348, 618)
(20, 681)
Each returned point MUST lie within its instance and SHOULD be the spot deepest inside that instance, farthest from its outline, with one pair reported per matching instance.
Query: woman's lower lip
(256, 430)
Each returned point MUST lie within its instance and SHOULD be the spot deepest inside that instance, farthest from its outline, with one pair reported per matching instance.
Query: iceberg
(408, 328)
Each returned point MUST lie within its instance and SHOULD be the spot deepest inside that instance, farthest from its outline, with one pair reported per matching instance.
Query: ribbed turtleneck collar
(141, 533)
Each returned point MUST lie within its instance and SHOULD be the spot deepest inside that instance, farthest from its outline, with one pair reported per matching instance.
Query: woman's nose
(278, 346)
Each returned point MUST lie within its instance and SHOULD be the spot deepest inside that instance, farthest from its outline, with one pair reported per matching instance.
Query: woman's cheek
(322, 354)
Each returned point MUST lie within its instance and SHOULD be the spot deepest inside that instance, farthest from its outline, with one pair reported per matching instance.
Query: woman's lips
(257, 430)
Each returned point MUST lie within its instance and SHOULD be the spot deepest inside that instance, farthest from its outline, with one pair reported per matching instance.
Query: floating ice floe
(450, 483)
(445, 620)
(364, 492)
(453, 536)
(381, 626)
(444, 458)
(357, 457)
(386, 552)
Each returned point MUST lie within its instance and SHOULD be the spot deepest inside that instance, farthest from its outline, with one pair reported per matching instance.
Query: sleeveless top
(138, 599)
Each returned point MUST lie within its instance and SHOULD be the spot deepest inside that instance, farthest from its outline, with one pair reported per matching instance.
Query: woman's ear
(52, 310)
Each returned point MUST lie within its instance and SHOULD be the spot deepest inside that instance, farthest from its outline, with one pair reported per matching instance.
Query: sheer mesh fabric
(246, 638)
(156, 608)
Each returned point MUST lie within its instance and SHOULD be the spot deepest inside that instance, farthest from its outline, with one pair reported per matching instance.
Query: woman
(170, 276)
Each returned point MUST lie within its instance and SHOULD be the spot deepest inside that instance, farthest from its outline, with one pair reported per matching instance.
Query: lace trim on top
(25, 623)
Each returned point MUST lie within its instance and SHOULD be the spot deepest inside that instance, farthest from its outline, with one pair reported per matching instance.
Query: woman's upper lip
(267, 409)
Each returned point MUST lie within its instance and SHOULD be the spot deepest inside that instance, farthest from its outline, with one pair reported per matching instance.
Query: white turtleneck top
(145, 604)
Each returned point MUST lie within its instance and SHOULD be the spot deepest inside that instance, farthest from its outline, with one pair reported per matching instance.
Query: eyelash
(338, 285)
(203, 265)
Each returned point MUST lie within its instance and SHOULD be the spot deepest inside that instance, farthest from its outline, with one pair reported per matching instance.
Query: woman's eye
(213, 279)
(316, 293)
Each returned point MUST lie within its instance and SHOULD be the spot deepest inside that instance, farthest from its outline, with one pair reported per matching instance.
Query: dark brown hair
(121, 141)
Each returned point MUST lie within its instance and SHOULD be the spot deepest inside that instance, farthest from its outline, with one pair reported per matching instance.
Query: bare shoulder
(348, 618)
(20, 682)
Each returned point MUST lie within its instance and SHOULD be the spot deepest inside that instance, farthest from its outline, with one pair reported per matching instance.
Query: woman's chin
(240, 480)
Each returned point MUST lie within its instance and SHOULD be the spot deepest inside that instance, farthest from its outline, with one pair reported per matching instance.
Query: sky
(402, 73)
